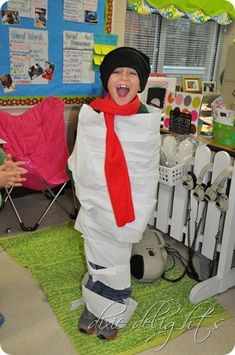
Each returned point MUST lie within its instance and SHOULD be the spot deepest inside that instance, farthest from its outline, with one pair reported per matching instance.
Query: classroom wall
(118, 20)
(229, 38)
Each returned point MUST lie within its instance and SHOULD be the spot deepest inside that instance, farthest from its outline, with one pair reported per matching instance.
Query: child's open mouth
(123, 90)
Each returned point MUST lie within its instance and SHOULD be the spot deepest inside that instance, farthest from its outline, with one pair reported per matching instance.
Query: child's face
(123, 85)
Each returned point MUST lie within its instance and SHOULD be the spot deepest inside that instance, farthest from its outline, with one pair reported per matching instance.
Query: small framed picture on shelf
(208, 86)
(177, 87)
(191, 84)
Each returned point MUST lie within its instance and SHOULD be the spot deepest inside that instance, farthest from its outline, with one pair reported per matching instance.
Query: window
(177, 47)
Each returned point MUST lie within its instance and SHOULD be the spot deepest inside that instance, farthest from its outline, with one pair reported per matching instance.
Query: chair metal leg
(75, 204)
(22, 225)
(55, 199)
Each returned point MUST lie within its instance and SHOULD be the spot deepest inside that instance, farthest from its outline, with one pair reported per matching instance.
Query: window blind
(141, 32)
(177, 47)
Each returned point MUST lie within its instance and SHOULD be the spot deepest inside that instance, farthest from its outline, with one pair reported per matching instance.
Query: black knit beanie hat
(125, 57)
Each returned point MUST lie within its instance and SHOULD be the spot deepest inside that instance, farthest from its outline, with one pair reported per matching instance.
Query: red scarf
(115, 167)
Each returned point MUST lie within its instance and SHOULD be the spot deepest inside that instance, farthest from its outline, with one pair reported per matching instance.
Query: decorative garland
(108, 16)
(30, 101)
(171, 12)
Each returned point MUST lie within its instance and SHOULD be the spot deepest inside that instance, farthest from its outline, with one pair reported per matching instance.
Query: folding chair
(38, 137)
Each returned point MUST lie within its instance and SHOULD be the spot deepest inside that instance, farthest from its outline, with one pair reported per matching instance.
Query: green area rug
(55, 258)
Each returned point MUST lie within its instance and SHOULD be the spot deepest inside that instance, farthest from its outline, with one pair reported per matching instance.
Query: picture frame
(191, 84)
(178, 87)
(208, 87)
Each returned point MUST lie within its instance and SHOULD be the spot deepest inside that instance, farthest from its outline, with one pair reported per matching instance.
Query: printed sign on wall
(185, 102)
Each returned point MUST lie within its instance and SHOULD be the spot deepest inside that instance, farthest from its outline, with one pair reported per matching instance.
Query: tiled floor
(31, 327)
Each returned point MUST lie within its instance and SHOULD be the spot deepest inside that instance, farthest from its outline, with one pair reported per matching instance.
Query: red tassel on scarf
(116, 171)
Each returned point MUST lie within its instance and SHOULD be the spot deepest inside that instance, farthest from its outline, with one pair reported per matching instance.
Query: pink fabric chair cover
(37, 136)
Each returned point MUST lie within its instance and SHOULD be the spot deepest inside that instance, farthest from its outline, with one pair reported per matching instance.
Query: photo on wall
(44, 70)
(48, 70)
(91, 16)
(7, 83)
(40, 17)
(35, 71)
(10, 17)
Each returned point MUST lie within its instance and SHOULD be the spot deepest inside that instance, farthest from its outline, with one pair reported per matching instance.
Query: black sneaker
(87, 322)
(106, 330)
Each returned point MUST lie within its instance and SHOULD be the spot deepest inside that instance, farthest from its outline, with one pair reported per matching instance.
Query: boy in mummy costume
(114, 165)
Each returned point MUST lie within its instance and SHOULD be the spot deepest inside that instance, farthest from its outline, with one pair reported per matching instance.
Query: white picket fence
(171, 218)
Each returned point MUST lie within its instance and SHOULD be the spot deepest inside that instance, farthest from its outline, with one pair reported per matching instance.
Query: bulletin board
(54, 38)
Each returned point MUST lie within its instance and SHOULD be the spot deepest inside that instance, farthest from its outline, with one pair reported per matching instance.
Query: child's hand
(10, 165)
(11, 178)
(11, 173)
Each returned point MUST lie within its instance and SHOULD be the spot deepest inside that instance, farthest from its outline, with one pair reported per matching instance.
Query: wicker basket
(170, 176)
